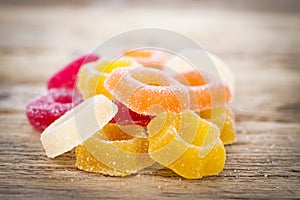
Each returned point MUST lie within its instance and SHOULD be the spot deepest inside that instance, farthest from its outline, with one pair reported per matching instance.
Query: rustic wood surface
(259, 40)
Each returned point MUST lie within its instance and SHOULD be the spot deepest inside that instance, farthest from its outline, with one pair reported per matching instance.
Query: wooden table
(259, 40)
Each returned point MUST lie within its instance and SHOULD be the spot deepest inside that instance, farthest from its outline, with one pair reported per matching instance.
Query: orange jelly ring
(150, 91)
(206, 91)
(147, 91)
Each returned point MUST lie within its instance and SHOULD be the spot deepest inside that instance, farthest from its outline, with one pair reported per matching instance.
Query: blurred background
(258, 39)
(38, 37)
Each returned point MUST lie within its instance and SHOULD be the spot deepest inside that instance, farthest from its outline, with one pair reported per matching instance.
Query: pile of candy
(123, 116)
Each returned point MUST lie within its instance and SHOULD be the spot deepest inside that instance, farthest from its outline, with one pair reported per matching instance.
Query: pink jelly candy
(66, 77)
(125, 116)
(44, 110)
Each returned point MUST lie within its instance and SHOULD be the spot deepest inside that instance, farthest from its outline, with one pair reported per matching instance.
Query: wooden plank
(262, 160)
(260, 45)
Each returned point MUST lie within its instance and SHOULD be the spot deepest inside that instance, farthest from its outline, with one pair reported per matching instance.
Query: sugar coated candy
(187, 144)
(223, 117)
(206, 91)
(44, 110)
(178, 64)
(119, 150)
(87, 162)
(66, 77)
(91, 76)
(78, 125)
(125, 116)
(147, 91)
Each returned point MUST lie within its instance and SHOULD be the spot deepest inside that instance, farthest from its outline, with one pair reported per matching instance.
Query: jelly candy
(224, 118)
(44, 110)
(187, 144)
(147, 91)
(150, 91)
(77, 125)
(66, 77)
(134, 116)
(116, 149)
(87, 162)
(206, 91)
(126, 116)
(178, 64)
(91, 77)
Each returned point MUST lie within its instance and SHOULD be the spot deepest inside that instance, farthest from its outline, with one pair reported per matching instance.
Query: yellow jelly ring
(91, 76)
(223, 117)
(184, 143)
(119, 150)
(87, 162)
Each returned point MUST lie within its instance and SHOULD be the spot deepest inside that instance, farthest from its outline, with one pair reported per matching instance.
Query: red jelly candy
(125, 116)
(44, 110)
(66, 77)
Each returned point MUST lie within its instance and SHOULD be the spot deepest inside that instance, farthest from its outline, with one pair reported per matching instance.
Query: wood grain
(261, 44)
